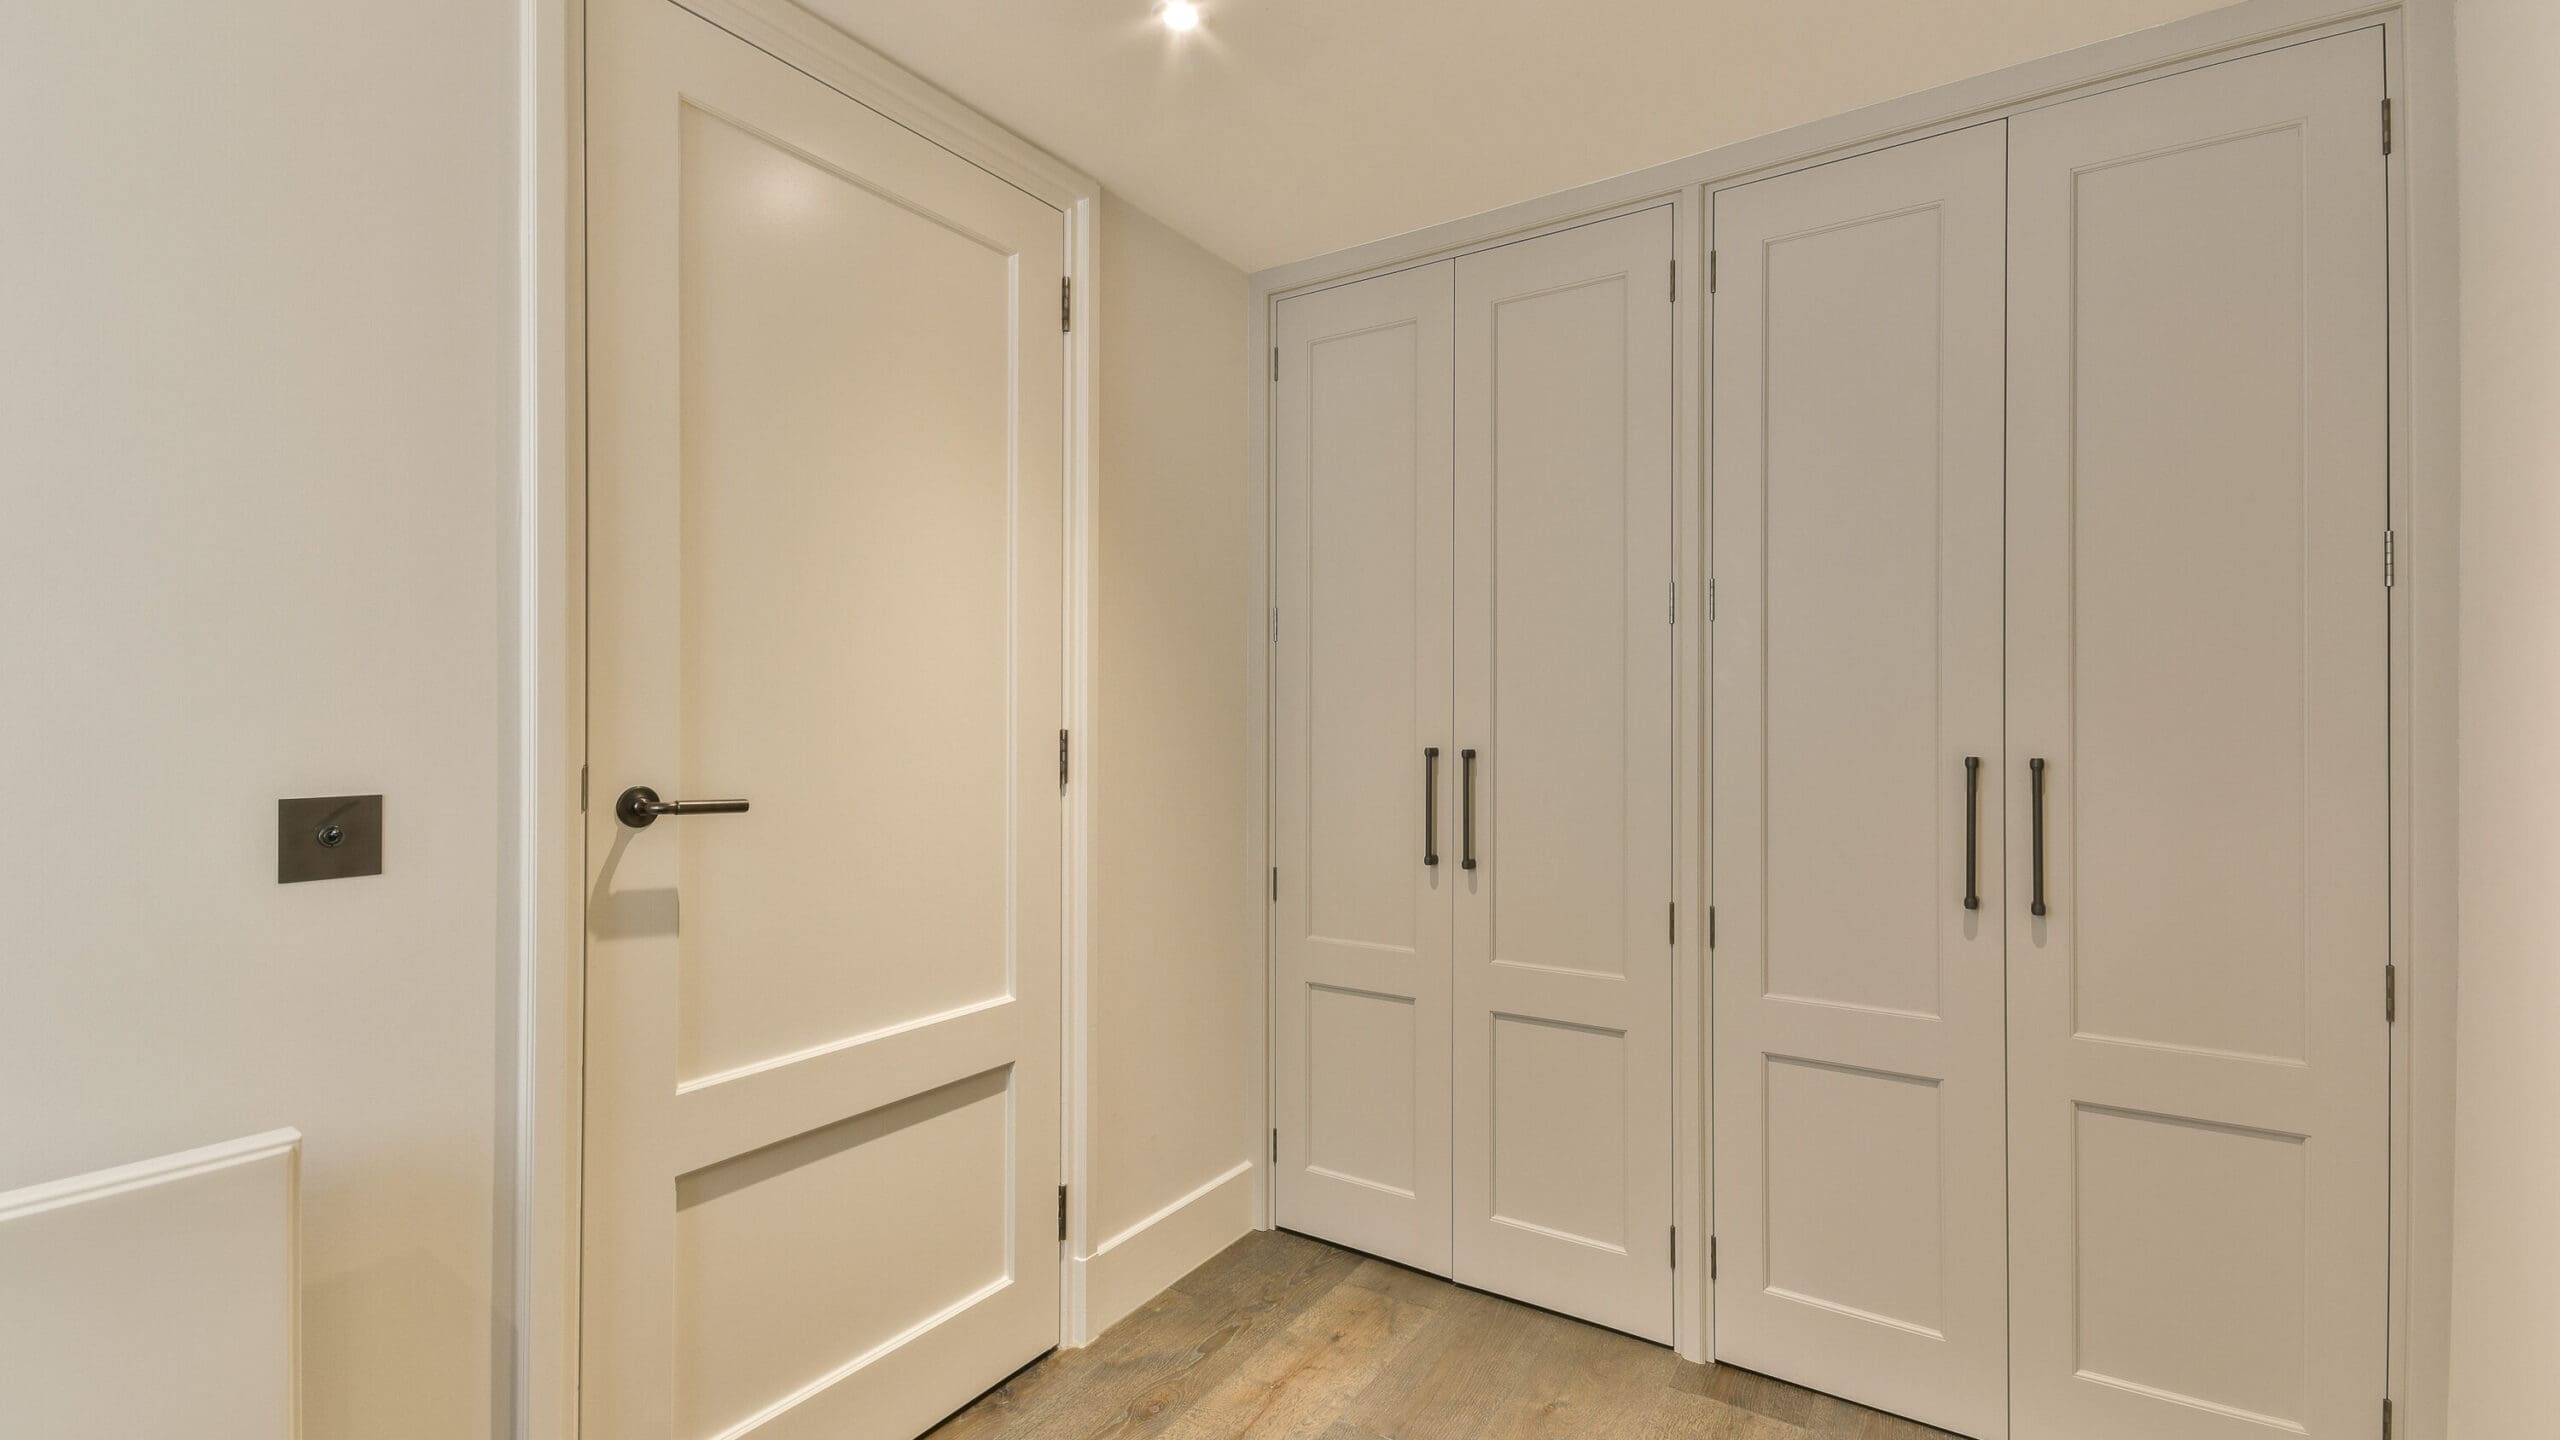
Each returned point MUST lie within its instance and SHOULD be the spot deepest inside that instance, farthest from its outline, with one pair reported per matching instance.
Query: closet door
(1364, 748)
(2197, 640)
(1564, 564)
(1859, 1109)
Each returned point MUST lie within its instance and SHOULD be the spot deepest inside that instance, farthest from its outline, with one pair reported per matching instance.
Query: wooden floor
(1286, 1336)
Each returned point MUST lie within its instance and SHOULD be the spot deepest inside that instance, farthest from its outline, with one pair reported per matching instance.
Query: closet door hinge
(1062, 760)
(1675, 602)
(1675, 922)
(2386, 127)
(2390, 994)
(1711, 927)
(1062, 1214)
(1066, 303)
(1275, 1146)
(1711, 602)
(1275, 363)
(1711, 272)
(1675, 1247)
(1675, 282)
(2390, 559)
(582, 789)
(1275, 624)
(2386, 1418)
(1275, 884)
(1711, 1257)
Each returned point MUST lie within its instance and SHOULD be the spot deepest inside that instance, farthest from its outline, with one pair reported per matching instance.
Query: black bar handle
(1430, 804)
(1972, 830)
(2035, 776)
(1467, 809)
(639, 807)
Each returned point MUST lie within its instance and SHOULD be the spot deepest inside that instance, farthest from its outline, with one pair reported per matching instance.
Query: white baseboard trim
(1141, 1262)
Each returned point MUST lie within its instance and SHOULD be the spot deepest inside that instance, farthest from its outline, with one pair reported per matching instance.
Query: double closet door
(1474, 777)
(2051, 765)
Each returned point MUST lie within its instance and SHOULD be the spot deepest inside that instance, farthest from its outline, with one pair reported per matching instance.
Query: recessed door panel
(1365, 766)
(1858, 1084)
(1562, 1139)
(2198, 626)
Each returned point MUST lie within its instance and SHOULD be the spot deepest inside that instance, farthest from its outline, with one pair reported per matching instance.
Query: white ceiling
(1282, 129)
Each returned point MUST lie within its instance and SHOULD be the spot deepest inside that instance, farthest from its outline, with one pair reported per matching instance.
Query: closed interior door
(1859, 1102)
(2197, 641)
(1366, 764)
(1562, 951)
(825, 576)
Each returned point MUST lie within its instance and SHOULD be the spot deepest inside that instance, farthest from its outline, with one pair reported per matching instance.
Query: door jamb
(535, 1257)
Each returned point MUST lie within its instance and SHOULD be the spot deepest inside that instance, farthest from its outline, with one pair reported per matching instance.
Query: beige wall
(2506, 1288)
(1177, 938)
(256, 396)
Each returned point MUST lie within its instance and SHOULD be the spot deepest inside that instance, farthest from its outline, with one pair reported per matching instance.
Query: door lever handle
(639, 807)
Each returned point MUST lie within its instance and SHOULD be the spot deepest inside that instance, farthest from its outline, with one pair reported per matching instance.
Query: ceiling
(1282, 129)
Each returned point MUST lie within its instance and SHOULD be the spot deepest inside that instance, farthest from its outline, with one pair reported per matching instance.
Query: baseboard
(1141, 1262)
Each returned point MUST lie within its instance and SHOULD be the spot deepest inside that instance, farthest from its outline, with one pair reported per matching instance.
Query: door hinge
(1711, 927)
(1275, 363)
(1062, 1214)
(1711, 1257)
(1275, 1146)
(2390, 994)
(2386, 127)
(1675, 1247)
(1675, 602)
(1675, 922)
(1062, 759)
(1675, 282)
(2390, 559)
(2386, 1418)
(1711, 272)
(1711, 602)
(582, 789)
(1275, 624)
(1275, 884)
(1066, 303)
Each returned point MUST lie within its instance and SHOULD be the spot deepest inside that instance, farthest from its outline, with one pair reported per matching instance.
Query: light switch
(328, 837)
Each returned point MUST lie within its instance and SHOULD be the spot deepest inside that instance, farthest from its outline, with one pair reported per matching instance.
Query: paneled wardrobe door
(1563, 1046)
(2199, 843)
(1860, 1188)
(1366, 764)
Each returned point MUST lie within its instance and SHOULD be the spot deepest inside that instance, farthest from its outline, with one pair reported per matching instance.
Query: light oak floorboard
(1281, 1337)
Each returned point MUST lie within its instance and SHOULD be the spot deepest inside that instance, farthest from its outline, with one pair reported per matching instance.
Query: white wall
(1177, 924)
(256, 400)
(2506, 1286)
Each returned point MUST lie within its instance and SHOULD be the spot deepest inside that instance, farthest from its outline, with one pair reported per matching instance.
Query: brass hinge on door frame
(1711, 1257)
(2390, 994)
(2390, 559)
(1062, 760)
(1066, 303)
(1062, 1214)
(2386, 127)
(1675, 1247)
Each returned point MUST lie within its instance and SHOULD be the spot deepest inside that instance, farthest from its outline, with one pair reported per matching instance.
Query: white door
(826, 559)
(1360, 444)
(1562, 1090)
(2198, 1061)
(1859, 1109)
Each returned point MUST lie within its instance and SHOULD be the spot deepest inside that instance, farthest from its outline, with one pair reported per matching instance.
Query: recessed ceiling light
(1180, 15)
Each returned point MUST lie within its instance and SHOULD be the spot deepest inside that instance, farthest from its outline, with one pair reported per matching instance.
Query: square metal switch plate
(328, 837)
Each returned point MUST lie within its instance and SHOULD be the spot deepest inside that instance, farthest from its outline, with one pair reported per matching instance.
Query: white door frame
(543, 914)
(2425, 465)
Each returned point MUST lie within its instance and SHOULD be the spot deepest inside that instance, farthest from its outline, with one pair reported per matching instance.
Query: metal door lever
(639, 807)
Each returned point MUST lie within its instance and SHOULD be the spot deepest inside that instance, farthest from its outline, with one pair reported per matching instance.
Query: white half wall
(2506, 1264)
(257, 407)
(1176, 951)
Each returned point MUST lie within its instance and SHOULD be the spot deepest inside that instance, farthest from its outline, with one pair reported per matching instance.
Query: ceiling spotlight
(1180, 16)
